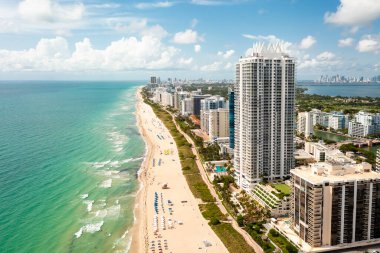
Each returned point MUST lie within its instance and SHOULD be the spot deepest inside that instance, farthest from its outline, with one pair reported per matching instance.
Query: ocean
(347, 90)
(69, 155)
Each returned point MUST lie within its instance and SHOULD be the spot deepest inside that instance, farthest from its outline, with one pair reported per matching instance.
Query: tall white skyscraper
(264, 115)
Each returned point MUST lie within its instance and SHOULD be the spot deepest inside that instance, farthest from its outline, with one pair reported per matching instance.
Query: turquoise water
(220, 169)
(348, 90)
(330, 136)
(69, 153)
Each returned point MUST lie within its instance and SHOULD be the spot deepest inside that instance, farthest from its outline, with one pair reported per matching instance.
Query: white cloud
(307, 42)
(213, 67)
(120, 55)
(136, 26)
(147, 5)
(226, 54)
(105, 6)
(187, 37)
(197, 48)
(184, 61)
(50, 11)
(209, 2)
(369, 43)
(325, 56)
(8, 26)
(347, 42)
(354, 13)
(321, 62)
(270, 38)
(228, 66)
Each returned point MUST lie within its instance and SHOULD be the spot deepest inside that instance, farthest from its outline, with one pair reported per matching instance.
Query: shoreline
(138, 230)
(183, 216)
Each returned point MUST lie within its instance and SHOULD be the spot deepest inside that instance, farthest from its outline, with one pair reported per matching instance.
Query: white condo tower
(264, 115)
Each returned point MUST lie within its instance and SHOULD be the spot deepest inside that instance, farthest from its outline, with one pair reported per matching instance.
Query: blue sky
(121, 40)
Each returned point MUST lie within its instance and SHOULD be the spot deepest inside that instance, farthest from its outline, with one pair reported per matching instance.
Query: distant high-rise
(197, 103)
(213, 102)
(231, 121)
(153, 80)
(264, 116)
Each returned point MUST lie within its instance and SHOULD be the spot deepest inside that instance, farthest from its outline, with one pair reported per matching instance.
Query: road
(210, 186)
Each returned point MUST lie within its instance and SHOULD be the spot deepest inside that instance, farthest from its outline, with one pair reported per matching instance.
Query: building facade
(305, 123)
(264, 116)
(334, 120)
(179, 96)
(197, 103)
(364, 124)
(231, 120)
(213, 102)
(336, 205)
(215, 123)
(187, 106)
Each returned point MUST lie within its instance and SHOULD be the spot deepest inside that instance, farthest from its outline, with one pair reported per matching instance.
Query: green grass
(282, 242)
(198, 187)
(233, 241)
(189, 166)
(284, 188)
(211, 210)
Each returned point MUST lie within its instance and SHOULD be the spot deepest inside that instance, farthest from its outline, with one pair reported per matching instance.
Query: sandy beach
(167, 220)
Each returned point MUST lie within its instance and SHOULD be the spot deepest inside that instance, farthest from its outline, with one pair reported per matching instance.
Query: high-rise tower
(264, 115)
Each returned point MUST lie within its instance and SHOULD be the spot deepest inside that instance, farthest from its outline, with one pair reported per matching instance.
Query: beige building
(305, 123)
(335, 205)
(215, 122)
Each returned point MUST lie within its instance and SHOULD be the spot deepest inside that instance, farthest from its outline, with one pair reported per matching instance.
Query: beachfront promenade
(210, 186)
(168, 220)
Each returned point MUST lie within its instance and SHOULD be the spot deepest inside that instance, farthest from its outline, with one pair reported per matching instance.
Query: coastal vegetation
(281, 242)
(349, 105)
(257, 232)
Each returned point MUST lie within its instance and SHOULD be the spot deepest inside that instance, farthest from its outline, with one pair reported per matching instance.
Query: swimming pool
(220, 169)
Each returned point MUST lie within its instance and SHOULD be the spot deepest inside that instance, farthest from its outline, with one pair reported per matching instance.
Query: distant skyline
(131, 40)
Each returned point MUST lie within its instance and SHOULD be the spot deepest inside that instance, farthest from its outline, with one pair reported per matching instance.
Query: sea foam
(84, 195)
(89, 228)
(106, 183)
(89, 204)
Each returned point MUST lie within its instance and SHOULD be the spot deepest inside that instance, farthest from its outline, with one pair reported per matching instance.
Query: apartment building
(335, 205)
(305, 123)
(215, 122)
(364, 124)
(264, 116)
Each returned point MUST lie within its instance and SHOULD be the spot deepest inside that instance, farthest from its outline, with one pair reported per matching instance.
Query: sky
(131, 40)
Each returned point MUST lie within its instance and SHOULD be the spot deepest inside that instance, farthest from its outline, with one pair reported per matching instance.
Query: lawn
(284, 188)
(211, 210)
(198, 187)
(233, 241)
